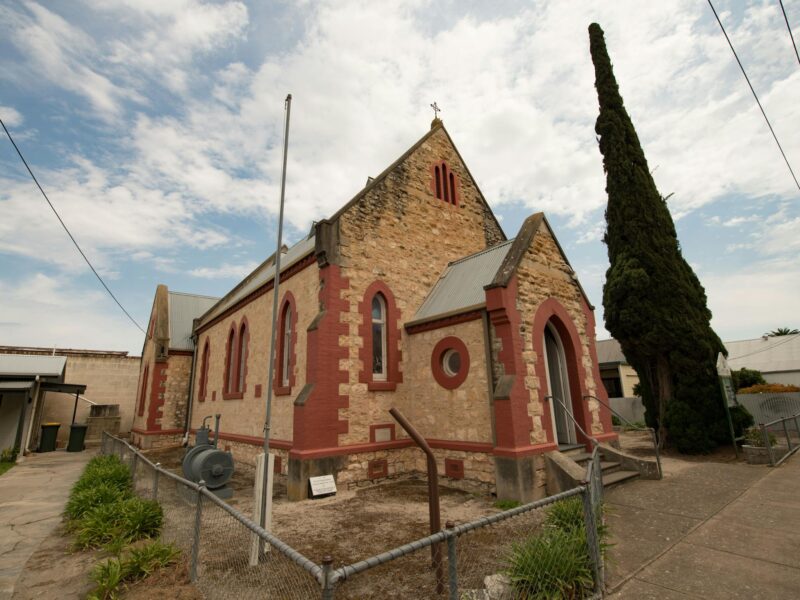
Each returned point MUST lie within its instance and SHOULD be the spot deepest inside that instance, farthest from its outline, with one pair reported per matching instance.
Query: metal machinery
(205, 462)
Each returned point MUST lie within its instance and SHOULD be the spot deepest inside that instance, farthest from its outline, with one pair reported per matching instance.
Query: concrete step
(618, 477)
(608, 467)
(572, 450)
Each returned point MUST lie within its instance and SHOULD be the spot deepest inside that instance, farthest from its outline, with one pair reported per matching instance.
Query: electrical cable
(60, 220)
(736, 56)
(791, 338)
(789, 27)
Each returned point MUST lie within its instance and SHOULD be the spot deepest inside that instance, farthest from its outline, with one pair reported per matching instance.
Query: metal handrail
(594, 440)
(635, 428)
(768, 444)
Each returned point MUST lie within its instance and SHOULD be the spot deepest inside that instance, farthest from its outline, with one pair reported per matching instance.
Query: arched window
(438, 176)
(286, 347)
(452, 188)
(242, 356)
(143, 390)
(204, 372)
(230, 368)
(445, 183)
(379, 362)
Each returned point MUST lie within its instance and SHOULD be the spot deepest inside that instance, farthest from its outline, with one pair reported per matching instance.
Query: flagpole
(273, 336)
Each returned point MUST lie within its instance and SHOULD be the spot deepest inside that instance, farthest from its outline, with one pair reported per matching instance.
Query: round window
(451, 362)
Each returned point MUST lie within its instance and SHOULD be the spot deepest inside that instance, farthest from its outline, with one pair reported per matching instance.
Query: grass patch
(5, 466)
(556, 562)
(506, 504)
(135, 564)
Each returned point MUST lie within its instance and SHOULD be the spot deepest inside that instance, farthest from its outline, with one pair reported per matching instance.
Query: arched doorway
(558, 384)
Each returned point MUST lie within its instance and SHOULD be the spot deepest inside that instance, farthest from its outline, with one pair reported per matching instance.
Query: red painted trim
(288, 302)
(143, 390)
(156, 431)
(390, 426)
(442, 378)
(229, 368)
(482, 447)
(257, 390)
(552, 311)
(393, 354)
(180, 352)
(522, 451)
(158, 386)
(204, 363)
(377, 468)
(285, 276)
(251, 439)
(513, 424)
(316, 423)
(452, 195)
(445, 322)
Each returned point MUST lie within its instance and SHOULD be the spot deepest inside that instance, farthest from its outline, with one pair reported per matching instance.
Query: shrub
(104, 469)
(130, 519)
(139, 563)
(769, 388)
(615, 421)
(741, 419)
(506, 504)
(744, 378)
(83, 500)
(556, 563)
(9, 455)
(754, 437)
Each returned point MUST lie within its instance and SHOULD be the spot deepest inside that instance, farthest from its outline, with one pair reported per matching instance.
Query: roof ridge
(479, 252)
(193, 295)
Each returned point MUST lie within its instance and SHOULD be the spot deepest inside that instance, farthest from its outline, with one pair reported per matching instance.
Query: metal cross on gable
(436, 110)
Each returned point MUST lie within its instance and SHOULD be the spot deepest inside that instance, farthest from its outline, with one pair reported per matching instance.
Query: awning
(15, 386)
(66, 388)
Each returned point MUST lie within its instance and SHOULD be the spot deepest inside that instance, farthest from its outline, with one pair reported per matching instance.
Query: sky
(155, 127)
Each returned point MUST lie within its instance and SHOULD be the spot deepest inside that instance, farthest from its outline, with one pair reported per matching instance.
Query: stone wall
(245, 416)
(110, 379)
(401, 234)
(462, 414)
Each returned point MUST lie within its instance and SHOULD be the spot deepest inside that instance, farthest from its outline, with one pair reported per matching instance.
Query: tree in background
(654, 304)
(782, 331)
(744, 378)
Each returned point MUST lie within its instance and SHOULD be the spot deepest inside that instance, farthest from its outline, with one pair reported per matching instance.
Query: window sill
(232, 395)
(381, 386)
(283, 390)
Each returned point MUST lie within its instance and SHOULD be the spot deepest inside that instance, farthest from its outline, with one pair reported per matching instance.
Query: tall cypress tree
(654, 304)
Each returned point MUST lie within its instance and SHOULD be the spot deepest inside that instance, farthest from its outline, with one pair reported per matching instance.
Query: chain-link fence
(229, 556)
(787, 430)
(551, 548)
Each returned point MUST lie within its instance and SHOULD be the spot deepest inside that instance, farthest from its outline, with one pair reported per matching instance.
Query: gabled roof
(770, 355)
(24, 365)
(183, 310)
(263, 273)
(460, 286)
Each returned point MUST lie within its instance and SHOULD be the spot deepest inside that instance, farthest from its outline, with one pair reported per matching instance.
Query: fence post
(592, 538)
(767, 445)
(786, 433)
(155, 480)
(134, 464)
(196, 538)
(452, 567)
(327, 584)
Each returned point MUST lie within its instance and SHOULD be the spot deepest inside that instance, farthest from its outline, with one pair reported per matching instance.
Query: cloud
(225, 271)
(11, 117)
(42, 310)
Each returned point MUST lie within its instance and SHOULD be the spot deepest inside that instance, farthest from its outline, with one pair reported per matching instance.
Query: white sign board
(323, 485)
(723, 369)
(256, 544)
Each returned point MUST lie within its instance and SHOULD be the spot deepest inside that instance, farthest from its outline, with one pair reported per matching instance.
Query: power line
(789, 27)
(791, 338)
(60, 220)
(725, 33)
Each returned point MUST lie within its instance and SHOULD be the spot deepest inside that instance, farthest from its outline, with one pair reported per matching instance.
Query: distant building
(110, 378)
(409, 296)
(778, 358)
(618, 376)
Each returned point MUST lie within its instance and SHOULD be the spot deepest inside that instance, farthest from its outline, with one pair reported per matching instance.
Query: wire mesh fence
(551, 548)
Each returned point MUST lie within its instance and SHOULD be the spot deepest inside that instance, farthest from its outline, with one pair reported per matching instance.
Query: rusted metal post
(433, 494)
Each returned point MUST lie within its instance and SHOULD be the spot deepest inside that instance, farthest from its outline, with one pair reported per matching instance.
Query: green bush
(745, 377)
(556, 563)
(615, 421)
(741, 419)
(139, 563)
(130, 519)
(104, 469)
(9, 455)
(754, 437)
(83, 500)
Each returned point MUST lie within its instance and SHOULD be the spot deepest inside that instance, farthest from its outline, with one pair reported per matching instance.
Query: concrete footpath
(708, 530)
(32, 498)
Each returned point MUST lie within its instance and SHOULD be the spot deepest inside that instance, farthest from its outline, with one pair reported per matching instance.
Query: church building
(410, 296)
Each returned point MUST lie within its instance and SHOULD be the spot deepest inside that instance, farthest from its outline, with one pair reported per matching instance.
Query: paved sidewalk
(711, 531)
(32, 498)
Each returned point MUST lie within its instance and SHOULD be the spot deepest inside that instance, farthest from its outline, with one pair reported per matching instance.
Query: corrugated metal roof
(15, 386)
(264, 273)
(22, 365)
(183, 310)
(609, 352)
(461, 285)
(770, 355)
